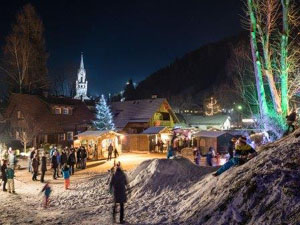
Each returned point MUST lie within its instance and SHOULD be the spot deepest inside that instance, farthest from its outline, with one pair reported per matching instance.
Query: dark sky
(125, 39)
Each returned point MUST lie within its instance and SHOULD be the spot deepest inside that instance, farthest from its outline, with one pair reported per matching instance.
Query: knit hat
(243, 140)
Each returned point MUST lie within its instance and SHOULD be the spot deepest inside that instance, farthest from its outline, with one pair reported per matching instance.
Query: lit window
(19, 115)
(57, 110)
(61, 137)
(65, 111)
(70, 136)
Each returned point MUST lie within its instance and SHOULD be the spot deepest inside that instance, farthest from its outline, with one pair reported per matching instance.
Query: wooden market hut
(147, 140)
(97, 142)
(219, 140)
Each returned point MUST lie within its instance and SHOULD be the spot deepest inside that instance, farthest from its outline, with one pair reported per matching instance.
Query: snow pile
(157, 174)
(266, 190)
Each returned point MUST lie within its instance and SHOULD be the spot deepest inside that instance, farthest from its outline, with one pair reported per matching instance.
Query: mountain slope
(195, 72)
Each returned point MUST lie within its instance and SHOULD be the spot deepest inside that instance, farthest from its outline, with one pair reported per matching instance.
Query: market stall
(96, 142)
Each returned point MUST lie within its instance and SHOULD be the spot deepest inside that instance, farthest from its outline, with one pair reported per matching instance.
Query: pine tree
(104, 118)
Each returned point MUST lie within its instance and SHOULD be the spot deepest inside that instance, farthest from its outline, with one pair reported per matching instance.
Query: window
(70, 136)
(57, 110)
(17, 135)
(19, 115)
(65, 111)
(61, 137)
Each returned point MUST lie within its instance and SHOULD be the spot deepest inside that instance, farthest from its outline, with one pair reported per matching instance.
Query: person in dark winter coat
(3, 174)
(71, 161)
(231, 147)
(63, 158)
(35, 167)
(116, 153)
(210, 155)
(54, 164)
(243, 153)
(118, 184)
(43, 167)
(83, 158)
(78, 154)
(109, 152)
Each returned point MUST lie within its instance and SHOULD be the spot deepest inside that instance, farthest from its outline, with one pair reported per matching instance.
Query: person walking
(116, 153)
(47, 191)
(10, 174)
(118, 184)
(35, 167)
(3, 174)
(43, 167)
(109, 150)
(71, 161)
(30, 158)
(66, 175)
(54, 165)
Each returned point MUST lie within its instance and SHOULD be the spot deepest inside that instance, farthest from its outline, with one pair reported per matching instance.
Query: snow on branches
(104, 118)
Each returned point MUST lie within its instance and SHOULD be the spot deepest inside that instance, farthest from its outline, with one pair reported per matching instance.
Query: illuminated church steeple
(81, 82)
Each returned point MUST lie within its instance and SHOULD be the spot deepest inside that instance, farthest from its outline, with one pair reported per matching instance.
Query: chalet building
(54, 120)
(133, 117)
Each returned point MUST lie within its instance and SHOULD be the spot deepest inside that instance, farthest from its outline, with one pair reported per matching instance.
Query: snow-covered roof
(154, 130)
(140, 111)
(95, 133)
(205, 133)
(206, 120)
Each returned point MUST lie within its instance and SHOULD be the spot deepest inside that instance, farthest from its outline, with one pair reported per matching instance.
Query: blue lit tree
(104, 118)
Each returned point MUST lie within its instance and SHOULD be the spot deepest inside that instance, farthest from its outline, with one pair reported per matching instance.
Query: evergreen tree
(104, 118)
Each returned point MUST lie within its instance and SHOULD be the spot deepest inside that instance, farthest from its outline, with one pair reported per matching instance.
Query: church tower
(81, 82)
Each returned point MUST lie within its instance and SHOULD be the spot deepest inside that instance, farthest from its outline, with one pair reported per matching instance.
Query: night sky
(125, 39)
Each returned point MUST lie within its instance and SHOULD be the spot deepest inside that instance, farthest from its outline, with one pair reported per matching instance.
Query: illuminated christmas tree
(104, 118)
(212, 107)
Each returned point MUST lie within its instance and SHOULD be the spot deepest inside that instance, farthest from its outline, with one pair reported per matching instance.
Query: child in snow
(66, 175)
(10, 174)
(47, 191)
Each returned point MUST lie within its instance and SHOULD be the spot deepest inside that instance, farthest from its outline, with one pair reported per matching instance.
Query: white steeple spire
(81, 82)
(81, 62)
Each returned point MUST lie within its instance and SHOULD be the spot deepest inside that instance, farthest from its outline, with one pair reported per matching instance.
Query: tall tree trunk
(284, 55)
(263, 107)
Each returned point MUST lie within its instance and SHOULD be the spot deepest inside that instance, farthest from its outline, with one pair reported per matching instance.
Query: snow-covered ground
(266, 190)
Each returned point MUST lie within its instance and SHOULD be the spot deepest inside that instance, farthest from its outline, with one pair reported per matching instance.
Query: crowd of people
(59, 161)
